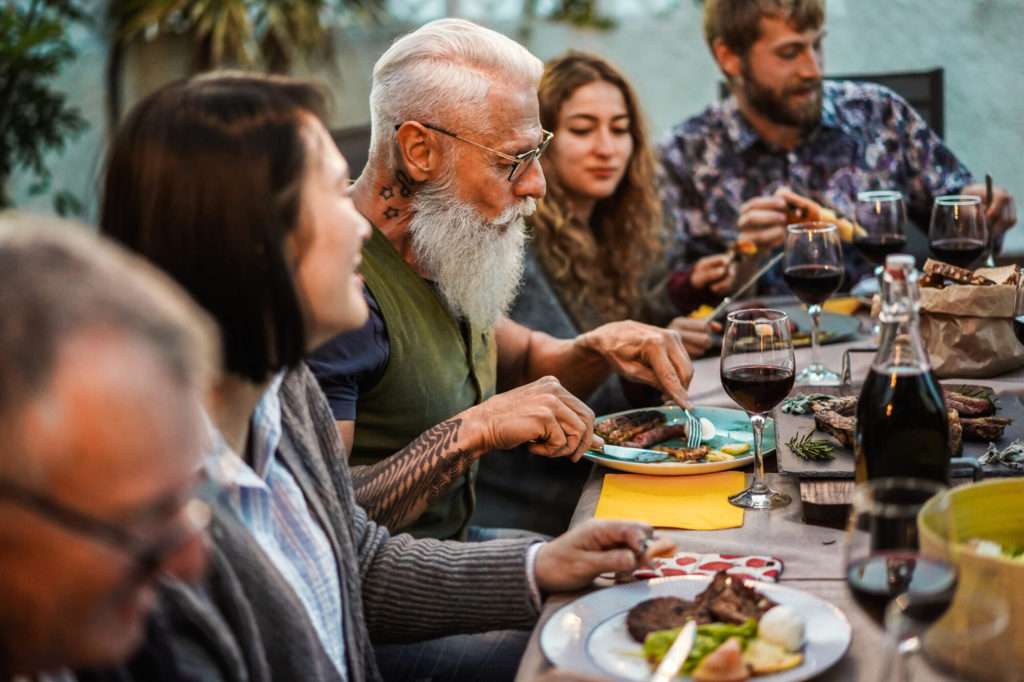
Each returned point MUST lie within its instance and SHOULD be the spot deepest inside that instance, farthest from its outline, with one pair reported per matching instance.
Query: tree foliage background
(34, 117)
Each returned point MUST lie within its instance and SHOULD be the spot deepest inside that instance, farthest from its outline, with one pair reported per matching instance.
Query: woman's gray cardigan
(245, 623)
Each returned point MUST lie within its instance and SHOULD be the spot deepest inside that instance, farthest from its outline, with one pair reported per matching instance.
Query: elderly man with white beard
(439, 376)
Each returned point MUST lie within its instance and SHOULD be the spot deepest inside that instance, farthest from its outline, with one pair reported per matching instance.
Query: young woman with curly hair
(597, 256)
(599, 232)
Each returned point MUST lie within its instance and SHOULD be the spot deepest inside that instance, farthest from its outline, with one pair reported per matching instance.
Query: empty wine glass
(813, 270)
(889, 576)
(882, 215)
(957, 234)
(757, 372)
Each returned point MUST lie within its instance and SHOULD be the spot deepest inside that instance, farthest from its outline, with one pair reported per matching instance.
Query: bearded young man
(451, 174)
(785, 129)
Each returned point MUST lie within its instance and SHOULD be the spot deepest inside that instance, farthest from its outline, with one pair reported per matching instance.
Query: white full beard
(477, 263)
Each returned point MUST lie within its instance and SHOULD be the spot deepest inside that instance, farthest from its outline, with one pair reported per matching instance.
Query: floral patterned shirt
(868, 138)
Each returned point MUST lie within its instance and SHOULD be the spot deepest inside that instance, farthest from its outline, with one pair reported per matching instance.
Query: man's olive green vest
(431, 375)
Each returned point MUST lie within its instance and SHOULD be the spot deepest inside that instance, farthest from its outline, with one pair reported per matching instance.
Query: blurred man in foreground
(102, 361)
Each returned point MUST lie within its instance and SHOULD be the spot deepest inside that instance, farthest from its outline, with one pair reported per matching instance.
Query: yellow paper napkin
(846, 305)
(688, 502)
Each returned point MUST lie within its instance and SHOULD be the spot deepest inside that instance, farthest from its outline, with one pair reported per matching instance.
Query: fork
(693, 430)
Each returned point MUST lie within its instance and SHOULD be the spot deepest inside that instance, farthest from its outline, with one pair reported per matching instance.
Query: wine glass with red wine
(757, 372)
(813, 270)
(883, 216)
(889, 576)
(957, 234)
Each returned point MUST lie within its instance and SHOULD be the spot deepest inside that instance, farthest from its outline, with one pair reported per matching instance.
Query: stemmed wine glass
(957, 234)
(813, 270)
(883, 216)
(890, 577)
(757, 372)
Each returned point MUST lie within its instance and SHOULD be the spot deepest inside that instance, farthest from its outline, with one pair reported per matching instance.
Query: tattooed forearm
(395, 491)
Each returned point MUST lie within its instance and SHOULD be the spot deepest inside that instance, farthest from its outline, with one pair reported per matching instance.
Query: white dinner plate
(589, 634)
(731, 426)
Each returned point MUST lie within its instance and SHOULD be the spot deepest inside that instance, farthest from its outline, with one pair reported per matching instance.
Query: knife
(633, 454)
(676, 654)
(769, 264)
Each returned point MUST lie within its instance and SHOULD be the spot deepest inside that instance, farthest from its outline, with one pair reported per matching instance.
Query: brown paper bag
(968, 330)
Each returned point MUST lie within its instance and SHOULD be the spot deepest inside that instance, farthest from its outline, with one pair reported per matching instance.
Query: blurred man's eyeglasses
(148, 555)
(520, 162)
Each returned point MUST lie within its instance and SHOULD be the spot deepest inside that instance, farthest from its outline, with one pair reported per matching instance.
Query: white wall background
(658, 44)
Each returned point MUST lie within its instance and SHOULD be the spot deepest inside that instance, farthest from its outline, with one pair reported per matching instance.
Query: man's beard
(774, 106)
(477, 263)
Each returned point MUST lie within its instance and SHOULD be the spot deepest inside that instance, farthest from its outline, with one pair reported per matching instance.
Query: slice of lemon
(735, 448)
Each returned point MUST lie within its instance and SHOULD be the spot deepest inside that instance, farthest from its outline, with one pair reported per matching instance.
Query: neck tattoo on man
(406, 182)
(387, 192)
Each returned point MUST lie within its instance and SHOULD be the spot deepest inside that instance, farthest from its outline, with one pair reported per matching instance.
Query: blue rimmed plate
(731, 426)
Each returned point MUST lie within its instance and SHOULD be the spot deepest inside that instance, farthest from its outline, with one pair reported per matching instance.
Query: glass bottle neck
(900, 343)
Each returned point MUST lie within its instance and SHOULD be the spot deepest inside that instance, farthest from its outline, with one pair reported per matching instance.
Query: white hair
(476, 262)
(445, 65)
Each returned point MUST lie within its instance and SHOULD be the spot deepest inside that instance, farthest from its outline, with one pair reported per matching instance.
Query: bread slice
(960, 275)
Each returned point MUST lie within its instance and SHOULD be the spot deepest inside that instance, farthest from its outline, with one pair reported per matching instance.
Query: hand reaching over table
(715, 273)
(1001, 214)
(572, 560)
(646, 354)
(694, 333)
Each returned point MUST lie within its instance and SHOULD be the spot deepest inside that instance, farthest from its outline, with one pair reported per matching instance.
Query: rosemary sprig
(817, 449)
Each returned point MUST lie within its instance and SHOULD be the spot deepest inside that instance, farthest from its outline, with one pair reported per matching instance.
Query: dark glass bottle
(902, 425)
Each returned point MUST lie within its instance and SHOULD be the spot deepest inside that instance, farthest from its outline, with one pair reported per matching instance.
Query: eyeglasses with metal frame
(520, 162)
(148, 555)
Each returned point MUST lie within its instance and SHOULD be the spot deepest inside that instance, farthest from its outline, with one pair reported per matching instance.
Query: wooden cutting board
(789, 425)
(827, 502)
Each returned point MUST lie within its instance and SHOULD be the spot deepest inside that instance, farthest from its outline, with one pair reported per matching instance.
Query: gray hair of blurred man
(441, 71)
(59, 278)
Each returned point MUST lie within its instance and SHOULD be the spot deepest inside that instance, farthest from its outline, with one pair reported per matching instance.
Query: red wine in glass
(875, 247)
(925, 585)
(757, 388)
(958, 251)
(813, 284)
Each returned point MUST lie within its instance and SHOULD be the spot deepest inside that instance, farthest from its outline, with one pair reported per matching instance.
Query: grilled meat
(969, 406)
(837, 419)
(624, 427)
(726, 599)
(956, 433)
(984, 429)
(654, 436)
(686, 454)
(660, 613)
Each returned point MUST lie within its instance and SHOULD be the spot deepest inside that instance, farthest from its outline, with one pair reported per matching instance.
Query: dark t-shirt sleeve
(352, 363)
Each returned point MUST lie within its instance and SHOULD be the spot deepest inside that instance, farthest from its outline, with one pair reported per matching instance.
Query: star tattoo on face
(387, 192)
(391, 212)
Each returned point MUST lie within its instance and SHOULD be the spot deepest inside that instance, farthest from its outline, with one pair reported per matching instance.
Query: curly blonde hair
(600, 264)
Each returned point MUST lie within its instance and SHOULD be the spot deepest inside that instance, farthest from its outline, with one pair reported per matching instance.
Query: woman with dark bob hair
(234, 186)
